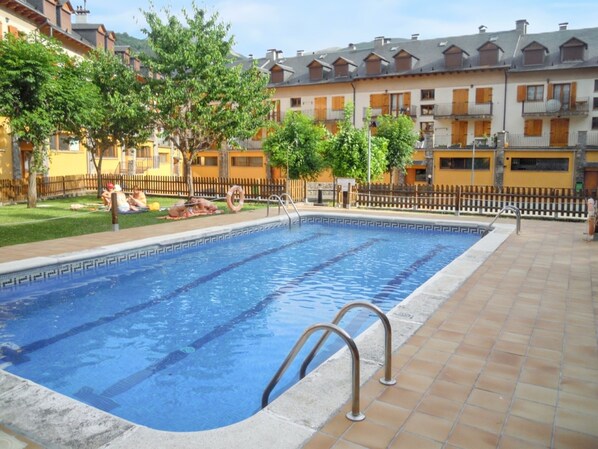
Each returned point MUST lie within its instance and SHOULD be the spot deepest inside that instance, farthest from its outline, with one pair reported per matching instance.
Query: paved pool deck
(508, 360)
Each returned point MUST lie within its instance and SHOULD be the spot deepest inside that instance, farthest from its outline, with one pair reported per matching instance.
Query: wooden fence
(533, 202)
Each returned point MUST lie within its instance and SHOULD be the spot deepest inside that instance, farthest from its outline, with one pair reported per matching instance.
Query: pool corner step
(87, 395)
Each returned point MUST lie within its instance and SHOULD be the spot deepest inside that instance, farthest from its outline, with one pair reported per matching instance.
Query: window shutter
(13, 30)
(478, 129)
(550, 91)
(573, 93)
(407, 100)
(521, 93)
(338, 103)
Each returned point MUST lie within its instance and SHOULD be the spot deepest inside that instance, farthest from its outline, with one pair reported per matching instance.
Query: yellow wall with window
(454, 167)
(246, 164)
(205, 164)
(529, 176)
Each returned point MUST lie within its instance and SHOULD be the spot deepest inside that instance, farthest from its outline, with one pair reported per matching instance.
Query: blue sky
(258, 25)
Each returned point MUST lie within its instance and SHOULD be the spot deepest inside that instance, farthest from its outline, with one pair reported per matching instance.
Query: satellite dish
(553, 105)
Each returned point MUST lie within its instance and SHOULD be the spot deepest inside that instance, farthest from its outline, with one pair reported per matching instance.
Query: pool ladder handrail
(279, 199)
(387, 379)
(512, 209)
(354, 414)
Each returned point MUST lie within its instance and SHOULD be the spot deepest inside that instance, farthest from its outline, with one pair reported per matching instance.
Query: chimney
(563, 26)
(273, 54)
(352, 46)
(521, 26)
(482, 28)
(300, 52)
(414, 37)
(82, 12)
(379, 42)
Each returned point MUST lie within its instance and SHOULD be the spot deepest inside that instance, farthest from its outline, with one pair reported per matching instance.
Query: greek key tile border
(11, 280)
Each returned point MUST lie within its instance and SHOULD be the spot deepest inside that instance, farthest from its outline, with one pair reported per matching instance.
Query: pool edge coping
(294, 424)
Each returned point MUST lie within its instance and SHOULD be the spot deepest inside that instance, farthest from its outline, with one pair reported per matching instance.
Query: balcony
(555, 108)
(319, 115)
(463, 111)
(546, 140)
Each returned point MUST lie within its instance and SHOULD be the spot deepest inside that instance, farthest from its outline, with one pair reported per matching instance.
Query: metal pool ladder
(517, 215)
(279, 200)
(354, 414)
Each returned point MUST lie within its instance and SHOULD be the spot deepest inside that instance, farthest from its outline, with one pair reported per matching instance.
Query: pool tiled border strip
(288, 422)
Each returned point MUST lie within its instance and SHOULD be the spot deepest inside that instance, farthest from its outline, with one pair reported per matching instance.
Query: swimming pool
(284, 289)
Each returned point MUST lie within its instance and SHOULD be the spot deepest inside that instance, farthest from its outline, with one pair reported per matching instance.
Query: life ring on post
(229, 198)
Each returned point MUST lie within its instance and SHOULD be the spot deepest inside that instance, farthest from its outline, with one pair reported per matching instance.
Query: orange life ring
(229, 198)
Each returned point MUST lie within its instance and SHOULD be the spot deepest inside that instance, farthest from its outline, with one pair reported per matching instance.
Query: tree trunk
(189, 177)
(32, 190)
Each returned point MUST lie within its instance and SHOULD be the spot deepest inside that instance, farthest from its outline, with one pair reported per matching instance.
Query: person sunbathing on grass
(122, 204)
(197, 206)
(137, 198)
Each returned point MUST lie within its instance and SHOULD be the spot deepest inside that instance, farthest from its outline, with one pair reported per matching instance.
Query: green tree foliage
(202, 99)
(297, 143)
(401, 136)
(38, 95)
(347, 151)
(120, 113)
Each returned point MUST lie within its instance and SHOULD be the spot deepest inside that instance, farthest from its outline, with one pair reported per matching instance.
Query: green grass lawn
(54, 218)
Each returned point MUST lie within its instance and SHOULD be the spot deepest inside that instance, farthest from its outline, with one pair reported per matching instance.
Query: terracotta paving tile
(535, 393)
(481, 341)
(337, 425)
(546, 377)
(532, 431)
(513, 337)
(428, 426)
(430, 369)
(489, 400)
(440, 407)
(495, 384)
(458, 375)
(369, 434)
(441, 345)
(445, 335)
(450, 390)
(467, 350)
(406, 440)
(509, 442)
(386, 414)
(401, 397)
(511, 347)
(467, 437)
(481, 418)
(320, 441)
(567, 439)
(579, 387)
(342, 444)
(431, 355)
(506, 358)
(579, 372)
(533, 411)
(577, 422)
(413, 381)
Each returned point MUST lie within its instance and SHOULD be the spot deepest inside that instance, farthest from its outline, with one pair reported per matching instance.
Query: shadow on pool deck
(509, 361)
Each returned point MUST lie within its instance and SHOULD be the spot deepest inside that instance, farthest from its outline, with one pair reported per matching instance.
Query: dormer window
(318, 70)
(454, 57)
(404, 61)
(534, 54)
(489, 54)
(374, 64)
(573, 50)
(280, 73)
(343, 67)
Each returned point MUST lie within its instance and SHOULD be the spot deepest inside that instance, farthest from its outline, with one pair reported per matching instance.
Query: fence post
(458, 201)
(114, 209)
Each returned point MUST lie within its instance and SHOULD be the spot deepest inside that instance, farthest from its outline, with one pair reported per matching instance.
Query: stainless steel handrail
(281, 203)
(386, 380)
(354, 414)
(288, 197)
(517, 215)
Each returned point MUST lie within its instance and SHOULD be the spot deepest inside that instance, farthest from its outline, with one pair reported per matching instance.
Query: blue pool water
(189, 340)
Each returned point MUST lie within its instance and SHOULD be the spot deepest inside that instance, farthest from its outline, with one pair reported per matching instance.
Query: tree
(119, 115)
(35, 96)
(202, 98)
(401, 136)
(296, 145)
(347, 151)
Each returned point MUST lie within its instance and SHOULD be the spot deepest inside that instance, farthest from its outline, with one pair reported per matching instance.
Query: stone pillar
(580, 158)
(499, 159)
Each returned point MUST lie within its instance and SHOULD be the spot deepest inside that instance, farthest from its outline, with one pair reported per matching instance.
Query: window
(534, 93)
(427, 94)
(532, 128)
(483, 95)
(427, 109)
(464, 163)
(533, 54)
(594, 122)
(338, 103)
(110, 151)
(595, 104)
(400, 103)
(296, 102)
(426, 127)
(62, 142)
(539, 164)
(573, 51)
(163, 158)
(145, 152)
(595, 85)
(205, 161)
(420, 174)
(247, 161)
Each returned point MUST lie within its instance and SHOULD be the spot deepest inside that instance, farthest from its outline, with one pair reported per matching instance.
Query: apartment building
(504, 108)
(78, 37)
